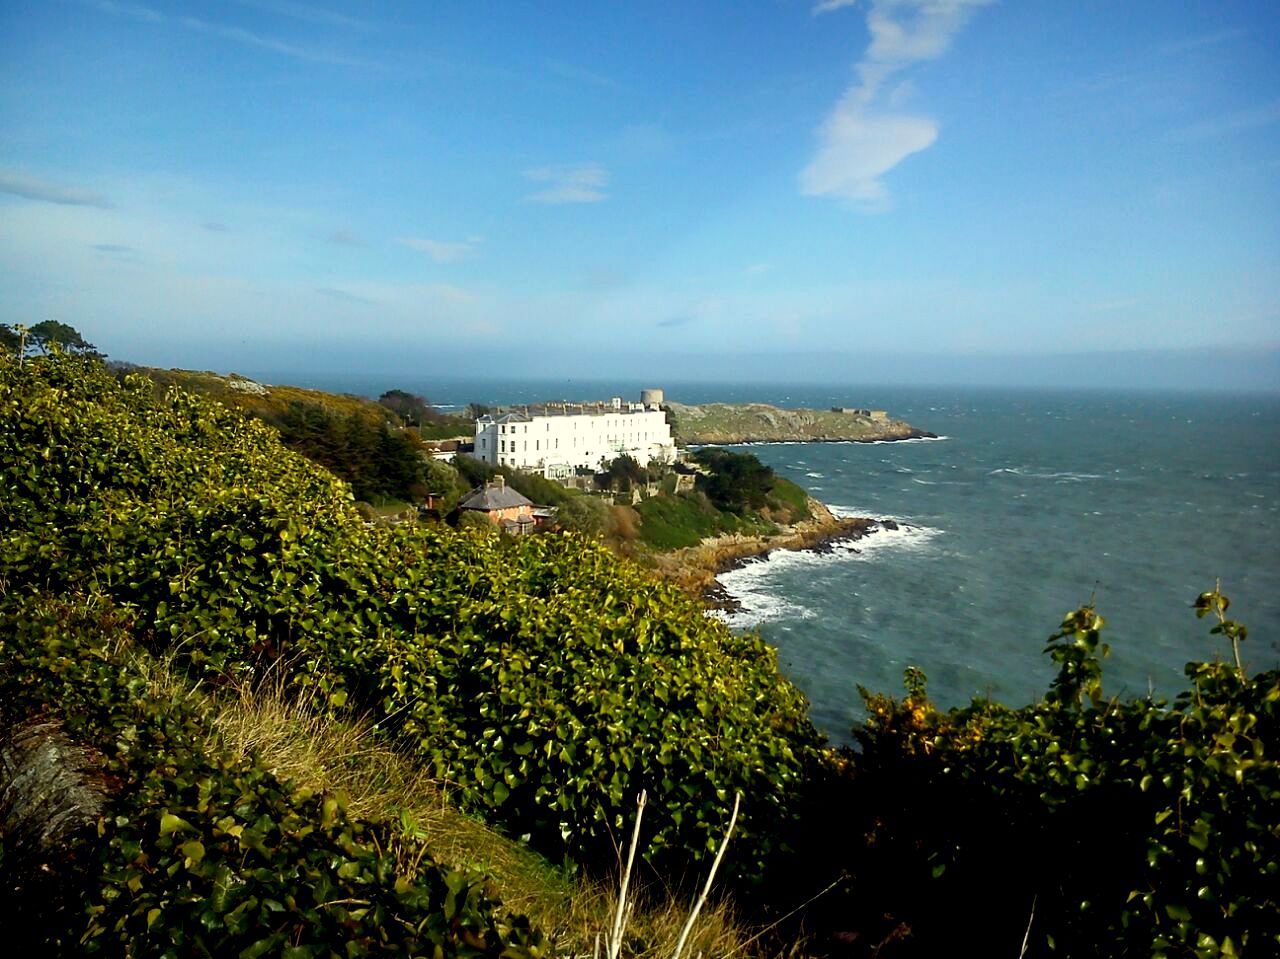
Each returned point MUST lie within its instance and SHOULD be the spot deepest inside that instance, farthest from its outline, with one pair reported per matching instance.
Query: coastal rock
(733, 423)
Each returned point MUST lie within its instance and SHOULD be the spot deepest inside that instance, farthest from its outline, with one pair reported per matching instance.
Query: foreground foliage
(551, 683)
(1087, 825)
(548, 680)
(198, 851)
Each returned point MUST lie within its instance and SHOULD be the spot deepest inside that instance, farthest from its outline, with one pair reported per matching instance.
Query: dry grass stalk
(624, 909)
(715, 865)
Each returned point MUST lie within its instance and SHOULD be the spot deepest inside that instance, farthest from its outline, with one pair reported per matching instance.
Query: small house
(508, 509)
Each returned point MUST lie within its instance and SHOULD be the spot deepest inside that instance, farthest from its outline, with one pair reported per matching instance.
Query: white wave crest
(754, 585)
(1065, 477)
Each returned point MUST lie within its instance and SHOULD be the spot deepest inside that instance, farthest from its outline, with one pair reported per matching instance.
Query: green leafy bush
(199, 852)
(736, 482)
(550, 680)
(1110, 827)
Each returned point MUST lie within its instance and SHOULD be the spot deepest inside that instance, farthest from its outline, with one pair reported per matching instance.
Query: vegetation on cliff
(548, 681)
(161, 554)
(376, 447)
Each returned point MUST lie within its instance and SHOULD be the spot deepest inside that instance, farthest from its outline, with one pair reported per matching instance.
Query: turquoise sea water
(1035, 502)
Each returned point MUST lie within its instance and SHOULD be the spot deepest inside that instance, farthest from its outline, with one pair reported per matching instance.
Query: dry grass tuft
(299, 744)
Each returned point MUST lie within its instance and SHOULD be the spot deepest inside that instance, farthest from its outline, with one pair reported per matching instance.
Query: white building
(556, 439)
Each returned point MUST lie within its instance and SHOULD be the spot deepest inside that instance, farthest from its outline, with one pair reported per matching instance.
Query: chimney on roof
(499, 481)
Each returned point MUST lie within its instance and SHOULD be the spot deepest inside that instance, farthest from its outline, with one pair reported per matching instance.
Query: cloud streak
(442, 251)
(571, 183)
(866, 135)
(336, 294)
(1239, 121)
(34, 188)
(308, 14)
(144, 14)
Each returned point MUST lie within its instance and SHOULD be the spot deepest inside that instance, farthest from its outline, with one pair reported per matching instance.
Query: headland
(717, 424)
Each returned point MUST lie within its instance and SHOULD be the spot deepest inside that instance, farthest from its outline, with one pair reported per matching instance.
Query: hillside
(727, 423)
(268, 402)
(152, 535)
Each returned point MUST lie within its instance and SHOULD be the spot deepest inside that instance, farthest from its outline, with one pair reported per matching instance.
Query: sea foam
(753, 585)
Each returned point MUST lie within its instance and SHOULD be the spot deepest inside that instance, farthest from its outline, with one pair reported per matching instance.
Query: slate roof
(493, 497)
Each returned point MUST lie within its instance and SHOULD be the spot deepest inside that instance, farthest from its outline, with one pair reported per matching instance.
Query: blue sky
(297, 183)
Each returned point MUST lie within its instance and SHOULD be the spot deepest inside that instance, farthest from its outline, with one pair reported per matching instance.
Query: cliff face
(723, 423)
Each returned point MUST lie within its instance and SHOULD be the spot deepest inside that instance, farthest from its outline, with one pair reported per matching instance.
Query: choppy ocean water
(1034, 503)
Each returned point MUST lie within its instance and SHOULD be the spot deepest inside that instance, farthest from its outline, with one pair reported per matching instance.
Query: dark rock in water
(888, 524)
(716, 596)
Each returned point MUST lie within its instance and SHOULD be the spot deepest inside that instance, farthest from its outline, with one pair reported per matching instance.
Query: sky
(945, 189)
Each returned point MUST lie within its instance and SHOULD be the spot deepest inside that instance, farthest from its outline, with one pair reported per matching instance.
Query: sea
(1029, 504)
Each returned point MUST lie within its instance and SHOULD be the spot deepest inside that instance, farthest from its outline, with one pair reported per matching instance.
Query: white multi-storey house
(557, 439)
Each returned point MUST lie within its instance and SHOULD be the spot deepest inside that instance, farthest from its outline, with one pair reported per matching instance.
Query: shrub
(550, 680)
(199, 852)
(1129, 827)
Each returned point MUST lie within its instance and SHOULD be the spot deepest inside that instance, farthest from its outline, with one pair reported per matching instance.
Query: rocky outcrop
(729, 423)
(695, 568)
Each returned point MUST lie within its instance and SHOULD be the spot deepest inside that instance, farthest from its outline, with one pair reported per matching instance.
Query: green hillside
(548, 682)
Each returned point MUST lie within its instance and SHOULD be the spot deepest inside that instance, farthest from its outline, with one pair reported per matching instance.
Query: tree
(48, 333)
(583, 514)
(738, 481)
(413, 410)
(624, 473)
(476, 410)
(10, 338)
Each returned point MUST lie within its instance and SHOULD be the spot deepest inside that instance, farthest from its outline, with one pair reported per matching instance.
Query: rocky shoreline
(914, 434)
(696, 568)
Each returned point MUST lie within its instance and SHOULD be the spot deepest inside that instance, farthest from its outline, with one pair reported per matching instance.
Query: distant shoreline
(736, 424)
(916, 437)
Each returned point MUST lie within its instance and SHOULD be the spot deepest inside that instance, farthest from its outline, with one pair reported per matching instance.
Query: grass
(792, 498)
(300, 745)
(676, 522)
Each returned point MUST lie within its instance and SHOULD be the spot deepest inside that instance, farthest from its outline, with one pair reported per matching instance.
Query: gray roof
(493, 497)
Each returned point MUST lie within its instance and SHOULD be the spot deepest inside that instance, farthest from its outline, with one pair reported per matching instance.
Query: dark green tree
(10, 338)
(413, 410)
(736, 482)
(48, 333)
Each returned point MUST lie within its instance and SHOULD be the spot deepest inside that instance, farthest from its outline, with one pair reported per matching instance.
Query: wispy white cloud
(145, 14)
(1237, 121)
(580, 183)
(577, 74)
(442, 251)
(336, 294)
(1198, 41)
(830, 6)
(46, 191)
(864, 136)
(307, 13)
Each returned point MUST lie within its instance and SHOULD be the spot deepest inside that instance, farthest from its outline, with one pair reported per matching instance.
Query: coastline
(695, 568)
(915, 436)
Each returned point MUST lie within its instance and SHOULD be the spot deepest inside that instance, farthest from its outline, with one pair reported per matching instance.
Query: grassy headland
(729, 423)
